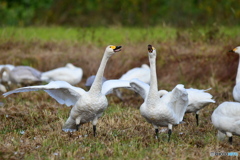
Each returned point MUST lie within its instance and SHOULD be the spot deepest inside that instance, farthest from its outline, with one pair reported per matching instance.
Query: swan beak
(117, 49)
(150, 48)
(233, 50)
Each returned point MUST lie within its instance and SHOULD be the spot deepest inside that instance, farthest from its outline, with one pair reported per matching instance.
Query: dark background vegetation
(117, 12)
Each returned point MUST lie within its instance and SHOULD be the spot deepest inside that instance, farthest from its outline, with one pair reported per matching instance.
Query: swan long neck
(238, 72)
(152, 95)
(4, 69)
(97, 83)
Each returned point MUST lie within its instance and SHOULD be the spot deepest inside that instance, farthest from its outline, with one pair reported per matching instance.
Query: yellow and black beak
(150, 48)
(116, 48)
(233, 50)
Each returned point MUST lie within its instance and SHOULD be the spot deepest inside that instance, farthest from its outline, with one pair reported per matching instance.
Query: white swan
(236, 89)
(226, 118)
(142, 73)
(197, 99)
(2, 88)
(87, 106)
(21, 75)
(69, 73)
(4, 74)
(166, 111)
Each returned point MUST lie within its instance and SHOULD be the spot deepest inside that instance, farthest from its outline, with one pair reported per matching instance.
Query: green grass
(109, 35)
(90, 35)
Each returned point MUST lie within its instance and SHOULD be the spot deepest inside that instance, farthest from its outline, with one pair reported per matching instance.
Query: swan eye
(113, 47)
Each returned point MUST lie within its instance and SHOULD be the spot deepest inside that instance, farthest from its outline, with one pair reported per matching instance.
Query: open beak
(150, 49)
(233, 50)
(117, 49)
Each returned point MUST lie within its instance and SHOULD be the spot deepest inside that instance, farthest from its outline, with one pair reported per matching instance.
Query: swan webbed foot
(94, 130)
(230, 139)
(169, 134)
(197, 118)
(156, 131)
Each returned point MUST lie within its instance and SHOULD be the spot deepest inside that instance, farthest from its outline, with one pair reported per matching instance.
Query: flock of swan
(27, 75)
(160, 108)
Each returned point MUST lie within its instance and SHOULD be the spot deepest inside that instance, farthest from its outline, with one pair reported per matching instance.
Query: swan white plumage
(21, 75)
(165, 111)
(197, 99)
(142, 73)
(226, 119)
(236, 89)
(69, 73)
(2, 88)
(4, 74)
(87, 106)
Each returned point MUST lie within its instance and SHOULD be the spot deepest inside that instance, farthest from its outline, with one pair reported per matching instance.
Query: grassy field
(196, 57)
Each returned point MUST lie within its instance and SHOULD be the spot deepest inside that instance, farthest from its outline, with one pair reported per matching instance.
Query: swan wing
(142, 74)
(199, 98)
(61, 91)
(109, 85)
(179, 101)
(140, 87)
(28, 71)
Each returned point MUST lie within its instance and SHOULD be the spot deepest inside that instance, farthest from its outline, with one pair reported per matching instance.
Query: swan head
(111, 49)
(145, 66)
(236, 50)
(151, 51)
(70, 65)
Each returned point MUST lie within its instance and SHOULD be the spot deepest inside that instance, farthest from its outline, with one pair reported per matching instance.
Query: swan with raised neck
(87, 106)
(168, 110)
(236, 89)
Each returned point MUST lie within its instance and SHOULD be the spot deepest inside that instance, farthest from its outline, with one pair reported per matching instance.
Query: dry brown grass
(122, 133)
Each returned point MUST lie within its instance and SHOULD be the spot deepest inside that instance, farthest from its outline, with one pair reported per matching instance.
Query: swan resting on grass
(226, 119)
(21, 75)
(236, 89)
(69, 73)
(4, 74)
(87, 106)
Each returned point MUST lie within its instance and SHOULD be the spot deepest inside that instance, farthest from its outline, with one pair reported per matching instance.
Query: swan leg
(197, 118)
(169, 131)
(94, 122)
(230, 139)
(156, 131)
(94, 130)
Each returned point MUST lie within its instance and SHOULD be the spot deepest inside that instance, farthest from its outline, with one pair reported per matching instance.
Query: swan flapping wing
(61, 91)
(140, 87)
(179, 101)
(109, 85)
